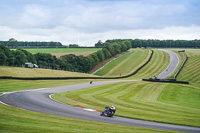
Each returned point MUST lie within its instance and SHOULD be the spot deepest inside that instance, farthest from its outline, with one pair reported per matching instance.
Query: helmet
(112, 107)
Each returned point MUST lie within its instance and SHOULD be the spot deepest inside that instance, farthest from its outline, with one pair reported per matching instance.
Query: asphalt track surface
(172, 66)
(39, 100)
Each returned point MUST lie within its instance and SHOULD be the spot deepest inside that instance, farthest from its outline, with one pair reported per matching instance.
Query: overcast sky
(84, 22)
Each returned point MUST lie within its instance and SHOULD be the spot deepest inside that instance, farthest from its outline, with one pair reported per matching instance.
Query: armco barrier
(64, 78)
(166, 81)
(180, 68)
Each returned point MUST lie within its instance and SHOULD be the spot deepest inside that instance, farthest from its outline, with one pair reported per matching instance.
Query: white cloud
(87, 21)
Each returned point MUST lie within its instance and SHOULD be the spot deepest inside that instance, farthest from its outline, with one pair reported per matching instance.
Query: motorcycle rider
(108, 109)
(112, 108)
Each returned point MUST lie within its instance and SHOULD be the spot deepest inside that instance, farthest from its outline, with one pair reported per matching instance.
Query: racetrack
(172, 66)
(39, 100)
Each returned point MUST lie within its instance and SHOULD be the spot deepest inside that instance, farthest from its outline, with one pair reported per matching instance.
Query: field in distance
(63, 51)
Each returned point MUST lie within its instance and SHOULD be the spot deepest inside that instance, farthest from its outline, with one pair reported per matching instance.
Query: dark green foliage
(29, 56)
(106, 53)
(73, 46)
(45, 60)
(19, 44)
(67, 62)
(166, 43)
(2, 59)
(95, 58)
(156, 43)
(20, 58)
(99, 44)
(100, 55)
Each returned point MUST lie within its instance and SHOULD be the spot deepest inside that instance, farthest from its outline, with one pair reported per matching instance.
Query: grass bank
(126, 64)
(191, 70)
(37, 72)
(168, 103)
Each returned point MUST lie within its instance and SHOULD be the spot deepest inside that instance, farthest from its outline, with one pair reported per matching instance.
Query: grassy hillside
(125, 64)
(36, 72)
(157, 65)
(191, 70)
(169, 103)
(60, 50)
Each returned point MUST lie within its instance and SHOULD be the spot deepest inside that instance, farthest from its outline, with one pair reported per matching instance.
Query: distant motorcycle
(108, 111)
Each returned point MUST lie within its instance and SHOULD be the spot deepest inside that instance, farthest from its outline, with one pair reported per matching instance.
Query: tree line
(155, 43)
(67, 62)
(13, 43)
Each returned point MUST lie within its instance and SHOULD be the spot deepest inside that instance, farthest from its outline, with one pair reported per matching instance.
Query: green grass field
(14, 120)
(191, 70)
(126, 64)
(168, 103)
(18, 85)
(37, 72)
(60, 50)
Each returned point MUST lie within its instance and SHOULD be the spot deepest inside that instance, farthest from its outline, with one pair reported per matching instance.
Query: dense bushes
(67, 62)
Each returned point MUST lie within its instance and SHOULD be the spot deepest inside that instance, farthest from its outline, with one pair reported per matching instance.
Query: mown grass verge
(14, 120)
(191, 70)
(126, 64)
(168, 103)
(17, 85)
(37, 72)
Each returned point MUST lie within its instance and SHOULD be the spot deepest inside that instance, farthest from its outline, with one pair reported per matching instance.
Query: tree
(20, 58)
(123, 47)
(29, 56)
(128, 44)
(2, 59)
(95, 58)
(107, 54)
(100, 55)
(117, 48)
(99, 44)
(73, 46)
(12, 43)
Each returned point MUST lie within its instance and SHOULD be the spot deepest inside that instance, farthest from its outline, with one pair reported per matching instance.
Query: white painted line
(90, 110)
(4, 103)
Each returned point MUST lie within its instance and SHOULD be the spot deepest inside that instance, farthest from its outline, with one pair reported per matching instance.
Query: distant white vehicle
(30, 65)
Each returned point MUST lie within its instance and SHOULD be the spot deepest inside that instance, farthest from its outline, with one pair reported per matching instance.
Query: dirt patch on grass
(75, 53)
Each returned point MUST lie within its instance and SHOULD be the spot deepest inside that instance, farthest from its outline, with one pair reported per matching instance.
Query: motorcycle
(108, 112)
